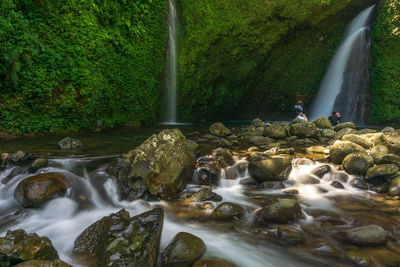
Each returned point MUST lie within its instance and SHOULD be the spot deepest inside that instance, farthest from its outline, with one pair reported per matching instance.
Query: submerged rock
(18, 246)
(33, 191)
(327, 250)
(290, 235)
(359, 258)
(227, 211)
(213, 262)
(182, 251)
(17, 170)
(164, 163)
(121, 240)
(219, 129)
(370, 235)
(70, 143)
(340, 149)
(357, 163)
(282, 210)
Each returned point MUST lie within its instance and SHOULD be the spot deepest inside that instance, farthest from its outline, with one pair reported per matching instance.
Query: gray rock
(70, 143)
(370, 235)
(219, 129)
(227, 211)
(268, 169)
(321, 170)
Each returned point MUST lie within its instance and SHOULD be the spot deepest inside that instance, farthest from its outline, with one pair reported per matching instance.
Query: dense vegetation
(269, 52)
(80, 64)
(386, 65)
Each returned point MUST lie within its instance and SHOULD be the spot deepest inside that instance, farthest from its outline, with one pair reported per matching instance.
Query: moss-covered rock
(357, 163)
(183, 250)
(213, 262)
(219, 129)
(257, 123)
(276, 130)
(303, 129)
(164, 163)
(343, 125)
(43, 263)
(381, 171)
(394, 189)
(340, 149)
(358, 139)
(38, 163)
(282, 210)
(268, 169)
(70, 143)
(18, 246)
(227, 211)
(323, 122)
(33, 191)
(391, 159)
(121, 240)
(343, 132)
(328, 133)
(378, 152)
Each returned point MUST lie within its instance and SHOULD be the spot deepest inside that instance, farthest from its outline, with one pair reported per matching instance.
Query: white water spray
(332, 84)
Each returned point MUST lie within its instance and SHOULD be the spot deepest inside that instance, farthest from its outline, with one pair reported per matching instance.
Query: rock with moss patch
(164, 163)
(268, 169)
(69, 143)
(340, 149)
(281, 210)
(227, 211)
(121, 240)
(276, 130)
(323, 122)
(303, 129)
(43, 263)
(38, 163)
(213, 262)
(391, 159)
(219, 129)
(381, 171)
(343, 125)
(257, 123)
(33, 191)
(343, 132)
(18, 246)
(328, 133)
(394, 189)
(388, 130)
(357, 163)
(378, 152)
(183, 250)
(358, 139)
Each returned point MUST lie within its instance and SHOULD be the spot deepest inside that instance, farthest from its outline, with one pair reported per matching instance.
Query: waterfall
(171, 71)
(345, 85)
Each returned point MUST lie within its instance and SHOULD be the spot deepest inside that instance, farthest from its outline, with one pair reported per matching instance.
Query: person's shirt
(334, 120)
(298, 108)
(301, 117)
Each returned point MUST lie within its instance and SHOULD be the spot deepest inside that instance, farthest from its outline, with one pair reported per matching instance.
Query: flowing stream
(171, 71)
(346, 83)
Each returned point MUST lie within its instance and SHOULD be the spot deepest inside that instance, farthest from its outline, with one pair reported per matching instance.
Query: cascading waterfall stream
(171, 71)
(345, 85)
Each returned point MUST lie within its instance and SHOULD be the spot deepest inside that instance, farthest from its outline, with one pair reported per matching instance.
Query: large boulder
(33, 191)
(18, 246)
(227, 211)
(219, 129)
(43, 263)
(121, 240)
(268, 169)
(70, 143)
(357, 163)
(323, 122)
(303, 129)
(281, 210)
(182, 251)
(164, 163)
(340, 149)
(358, 139)
(394, 189)
(378, 152)
(213, 262)
(392, 142)
(381, 171)
(343, 125)
(370, 235)
(276, 130)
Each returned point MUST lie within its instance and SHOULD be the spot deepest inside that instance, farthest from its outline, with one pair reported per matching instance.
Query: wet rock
(321, 170)
(370, 235)
(343, 132)
(323, 122)
(41, 263)
(357, 163)
(18, 246)
(359, 258)
(203, 195)
(289, 235)
(358, 139)
(281, 210)
(258, 140)
(337, 185)
(164, 163)
(121, 240)
(394, 189)
(340, 176)
(183, 250)
(340, 149)
(328, 133)
(219, 129)
(381, 188)
(303, 129)
(257, 123)
(381, 171)
(213, 262)
(272, 185)
(327, 250)
(268, 169)
(307, 179)
(206, 173)
(222, 157)
(391, 159)
(18, 158)
(291, 191)
(276, 130)
(326, 216)
(341, 126)
(248, 182)
(227, 211)
(70, 143)
(37, 164)
(33, 191)
(302, 161)
(17, 170)
(359, 183)
(383, 257)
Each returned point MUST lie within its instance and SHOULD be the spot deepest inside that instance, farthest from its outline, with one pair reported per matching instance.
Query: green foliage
(68, 64)
(265, 51)
(386, 63)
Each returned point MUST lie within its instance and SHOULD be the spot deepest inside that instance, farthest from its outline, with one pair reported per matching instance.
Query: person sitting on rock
(301, 116)
(299, 107)
(334, 119)
(339, 117)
